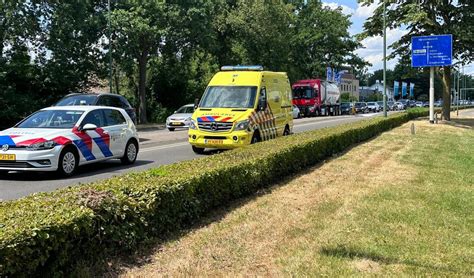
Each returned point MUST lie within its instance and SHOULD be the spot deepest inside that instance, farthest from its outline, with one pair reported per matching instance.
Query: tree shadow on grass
(467, 123)
(352, 253)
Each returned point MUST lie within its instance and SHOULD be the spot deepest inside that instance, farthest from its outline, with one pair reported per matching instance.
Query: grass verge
(400, 204)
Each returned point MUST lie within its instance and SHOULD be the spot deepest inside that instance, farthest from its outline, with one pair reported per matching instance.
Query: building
(366, 91)
(349, 84)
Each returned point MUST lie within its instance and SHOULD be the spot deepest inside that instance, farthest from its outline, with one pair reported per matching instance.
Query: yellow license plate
(214, 142)
(176, 123)
(9, 157)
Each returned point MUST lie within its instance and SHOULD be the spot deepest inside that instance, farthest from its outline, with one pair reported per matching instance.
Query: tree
(427, 17)
(321, 38)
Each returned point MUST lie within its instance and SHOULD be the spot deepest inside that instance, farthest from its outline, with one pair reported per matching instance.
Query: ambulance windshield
(229, 97)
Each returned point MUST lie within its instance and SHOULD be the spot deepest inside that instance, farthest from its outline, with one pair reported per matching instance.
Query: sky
(372, 50)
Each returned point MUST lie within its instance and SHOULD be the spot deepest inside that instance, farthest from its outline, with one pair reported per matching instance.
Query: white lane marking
(164, 147)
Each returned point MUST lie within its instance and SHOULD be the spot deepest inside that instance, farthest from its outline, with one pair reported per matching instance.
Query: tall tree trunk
(142, 62)
(447, 93)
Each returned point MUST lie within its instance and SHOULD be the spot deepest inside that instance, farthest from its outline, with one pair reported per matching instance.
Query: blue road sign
(432, 51)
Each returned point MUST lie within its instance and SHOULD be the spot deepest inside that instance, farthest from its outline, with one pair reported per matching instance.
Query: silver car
(179, 117)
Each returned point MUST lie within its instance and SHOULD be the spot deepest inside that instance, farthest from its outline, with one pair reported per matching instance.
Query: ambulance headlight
(47, 145)
(191, 123)
(242, 125)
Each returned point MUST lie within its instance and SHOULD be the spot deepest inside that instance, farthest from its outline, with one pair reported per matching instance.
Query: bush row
(45, 233)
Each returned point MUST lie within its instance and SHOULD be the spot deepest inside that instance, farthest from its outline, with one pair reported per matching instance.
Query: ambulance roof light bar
(242, 68)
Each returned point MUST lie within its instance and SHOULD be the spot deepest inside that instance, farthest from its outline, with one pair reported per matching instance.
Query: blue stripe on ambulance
(103, 147)
(84, 150)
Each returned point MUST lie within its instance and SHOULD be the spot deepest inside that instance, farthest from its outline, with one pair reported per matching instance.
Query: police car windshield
(229, 97)
(77, 100)
(61, 119)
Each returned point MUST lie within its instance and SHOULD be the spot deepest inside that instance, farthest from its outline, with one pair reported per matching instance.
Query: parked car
(296, 112)
(391, 105)
(426, 104)
(419, 104)
(102, 99)
(63, 138)
(373, 106)
(399, 106)
(411, 103)
(346, 108)
(361, 107)
(180, 117)
(438, 103)
(405, 103)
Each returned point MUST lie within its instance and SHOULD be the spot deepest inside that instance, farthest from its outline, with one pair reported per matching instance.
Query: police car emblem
(5, 147)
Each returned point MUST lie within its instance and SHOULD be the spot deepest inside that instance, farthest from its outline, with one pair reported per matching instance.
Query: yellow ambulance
(242, 105)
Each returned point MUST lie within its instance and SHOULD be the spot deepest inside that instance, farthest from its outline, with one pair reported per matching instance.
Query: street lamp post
(110, 48)
(384, 61)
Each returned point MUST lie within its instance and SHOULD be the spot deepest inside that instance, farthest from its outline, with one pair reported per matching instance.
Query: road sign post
(432, 51)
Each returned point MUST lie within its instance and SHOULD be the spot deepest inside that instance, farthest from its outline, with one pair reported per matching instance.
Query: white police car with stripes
(63, 138)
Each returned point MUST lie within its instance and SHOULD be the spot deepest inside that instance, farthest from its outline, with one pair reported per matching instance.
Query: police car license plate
(176, 123)
(9, 157)
(213, 142)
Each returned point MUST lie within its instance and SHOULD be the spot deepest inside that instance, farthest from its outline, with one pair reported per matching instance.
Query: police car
(63, 138)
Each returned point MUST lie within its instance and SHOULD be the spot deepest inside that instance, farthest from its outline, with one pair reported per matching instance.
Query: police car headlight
(191, 123)
(47, 145)
(242, 125)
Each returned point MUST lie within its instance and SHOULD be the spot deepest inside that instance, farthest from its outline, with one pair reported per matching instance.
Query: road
(157, 148)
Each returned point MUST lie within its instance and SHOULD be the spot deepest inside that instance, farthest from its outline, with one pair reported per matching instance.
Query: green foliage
(164, 52)
(347, 97)
(45, 233)
(427, 17)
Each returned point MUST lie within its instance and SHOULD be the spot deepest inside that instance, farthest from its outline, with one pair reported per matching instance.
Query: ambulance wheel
(197, 150)
(131, 153)
(68, 162)
(171, 128)
(255, 138)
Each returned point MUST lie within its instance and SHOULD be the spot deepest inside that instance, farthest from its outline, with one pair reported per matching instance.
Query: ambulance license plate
(214, 142)
(9, 157)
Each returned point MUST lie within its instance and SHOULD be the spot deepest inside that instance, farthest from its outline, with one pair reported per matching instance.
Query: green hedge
(45, 233)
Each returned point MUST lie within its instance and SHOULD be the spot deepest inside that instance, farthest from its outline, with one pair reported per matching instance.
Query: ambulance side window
(262, 100)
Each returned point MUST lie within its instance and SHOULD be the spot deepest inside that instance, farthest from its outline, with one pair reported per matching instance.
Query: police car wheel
(197, 150)
(68, 162)
(130, 154)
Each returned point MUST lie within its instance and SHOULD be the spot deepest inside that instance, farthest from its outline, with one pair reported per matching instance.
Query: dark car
(405, 103)
(391, 105)
(346, 108)
(112, 100)
(361, 107)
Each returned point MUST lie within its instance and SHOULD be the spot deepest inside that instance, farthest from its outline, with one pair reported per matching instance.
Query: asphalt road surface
(157, 148)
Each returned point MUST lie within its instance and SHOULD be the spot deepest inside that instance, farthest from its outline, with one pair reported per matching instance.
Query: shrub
(46, 232)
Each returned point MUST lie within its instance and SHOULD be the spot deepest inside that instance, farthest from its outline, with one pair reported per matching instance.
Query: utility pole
(384, 61)
(110, 47)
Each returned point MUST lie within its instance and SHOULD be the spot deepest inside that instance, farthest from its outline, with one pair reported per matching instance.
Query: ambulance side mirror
(196, 103)
(262, 101)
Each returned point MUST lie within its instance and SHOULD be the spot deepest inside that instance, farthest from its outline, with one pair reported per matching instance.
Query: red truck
(316, 97)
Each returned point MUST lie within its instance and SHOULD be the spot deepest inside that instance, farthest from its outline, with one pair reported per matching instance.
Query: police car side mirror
(87, 127)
